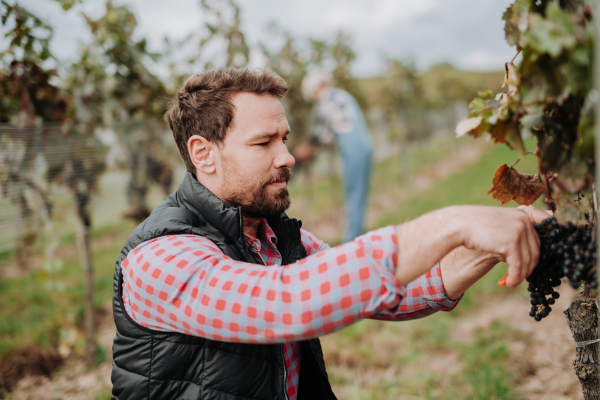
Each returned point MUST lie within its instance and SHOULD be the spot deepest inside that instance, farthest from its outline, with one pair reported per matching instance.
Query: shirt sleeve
(311, 243)
(424, 296)
(420, 298)
(184, 283)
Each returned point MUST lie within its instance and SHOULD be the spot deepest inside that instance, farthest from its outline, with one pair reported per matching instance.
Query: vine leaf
(509, 184)
(469, 125)
(511, 79)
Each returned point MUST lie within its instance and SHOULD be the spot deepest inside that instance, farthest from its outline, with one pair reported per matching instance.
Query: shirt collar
(264, 233)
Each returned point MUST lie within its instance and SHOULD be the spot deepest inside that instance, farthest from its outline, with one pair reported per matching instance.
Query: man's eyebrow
(266, 135)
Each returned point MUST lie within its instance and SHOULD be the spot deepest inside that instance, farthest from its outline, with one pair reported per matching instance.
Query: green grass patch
(485, 365)
(46, 302)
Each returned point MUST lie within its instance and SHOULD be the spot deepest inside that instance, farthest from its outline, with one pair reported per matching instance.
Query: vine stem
(519, 159)
(515, 57)
(548, 200)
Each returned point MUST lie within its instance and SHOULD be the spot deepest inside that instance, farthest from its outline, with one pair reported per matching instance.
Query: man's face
(254, 160)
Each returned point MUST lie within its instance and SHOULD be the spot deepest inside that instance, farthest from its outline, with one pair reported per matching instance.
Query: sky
(466, 33)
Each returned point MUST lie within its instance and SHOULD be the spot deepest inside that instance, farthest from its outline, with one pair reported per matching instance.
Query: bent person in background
(339, 119)
(219, 295)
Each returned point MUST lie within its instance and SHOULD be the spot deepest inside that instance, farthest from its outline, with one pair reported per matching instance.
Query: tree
(224, 24)
(45, 119)
(548, 95)
(116, 89)
(291, 63)
(26, 96)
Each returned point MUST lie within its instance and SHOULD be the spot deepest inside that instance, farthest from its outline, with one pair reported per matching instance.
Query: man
(338, 119)
(219, 295)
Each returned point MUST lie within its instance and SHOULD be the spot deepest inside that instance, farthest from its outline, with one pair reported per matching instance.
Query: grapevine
(565, 251)
(548, 96)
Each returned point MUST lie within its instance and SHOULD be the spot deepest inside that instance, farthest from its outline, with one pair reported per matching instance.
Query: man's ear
(202, 154)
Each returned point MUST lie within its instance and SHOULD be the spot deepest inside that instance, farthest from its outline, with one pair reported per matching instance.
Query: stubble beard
(258, 202)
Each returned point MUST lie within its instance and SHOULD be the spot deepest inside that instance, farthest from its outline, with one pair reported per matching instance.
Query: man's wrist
(454, 226)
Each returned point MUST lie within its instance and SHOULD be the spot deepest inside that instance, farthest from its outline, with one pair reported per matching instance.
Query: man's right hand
(506, 232)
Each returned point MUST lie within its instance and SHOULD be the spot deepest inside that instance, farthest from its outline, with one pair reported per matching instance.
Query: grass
(44, 305)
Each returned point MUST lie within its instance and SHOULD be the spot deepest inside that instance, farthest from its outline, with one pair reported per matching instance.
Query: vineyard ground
(488, 348)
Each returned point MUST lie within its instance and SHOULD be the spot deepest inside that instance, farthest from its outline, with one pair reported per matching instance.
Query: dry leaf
(509, 184)
(511, 79)
(467, 125)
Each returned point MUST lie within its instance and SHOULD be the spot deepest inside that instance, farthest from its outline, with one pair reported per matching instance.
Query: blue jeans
(356, 150)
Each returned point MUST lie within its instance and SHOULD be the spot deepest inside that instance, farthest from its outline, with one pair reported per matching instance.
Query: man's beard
(257, 202)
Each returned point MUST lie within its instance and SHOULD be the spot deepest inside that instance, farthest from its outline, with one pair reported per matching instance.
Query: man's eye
(263, 144)
(285, 139)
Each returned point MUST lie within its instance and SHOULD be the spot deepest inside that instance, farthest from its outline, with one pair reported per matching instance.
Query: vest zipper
(285, 392)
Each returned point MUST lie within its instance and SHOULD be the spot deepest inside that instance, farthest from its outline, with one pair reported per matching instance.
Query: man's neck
(251, 225)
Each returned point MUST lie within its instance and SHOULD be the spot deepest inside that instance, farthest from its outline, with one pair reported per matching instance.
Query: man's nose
(284, 158)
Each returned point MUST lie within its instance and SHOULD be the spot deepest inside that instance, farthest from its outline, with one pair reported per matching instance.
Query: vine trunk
(582, 316)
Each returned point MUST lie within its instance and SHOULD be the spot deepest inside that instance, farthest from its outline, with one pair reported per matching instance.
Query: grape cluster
(565, 251)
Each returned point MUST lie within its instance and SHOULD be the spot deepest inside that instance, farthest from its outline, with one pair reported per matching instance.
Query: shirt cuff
(433, 291)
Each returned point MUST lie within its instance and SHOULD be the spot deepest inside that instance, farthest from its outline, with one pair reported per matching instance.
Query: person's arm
(422, 297)
(184, 283)
(441, 287)
(488, 234)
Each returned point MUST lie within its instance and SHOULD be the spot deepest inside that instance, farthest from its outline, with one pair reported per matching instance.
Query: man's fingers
(533, 242)
(535, 214)
(515, 264)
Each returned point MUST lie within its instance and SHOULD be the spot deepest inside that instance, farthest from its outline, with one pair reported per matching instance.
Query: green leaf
(515, 22)
(476, 106)
(68, 4)
(550, 35)
(485, 94)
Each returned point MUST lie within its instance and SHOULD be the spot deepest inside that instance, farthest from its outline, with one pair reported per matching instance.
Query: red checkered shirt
(184, 283)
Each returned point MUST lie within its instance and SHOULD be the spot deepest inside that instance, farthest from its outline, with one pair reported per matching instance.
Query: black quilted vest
(148, 364)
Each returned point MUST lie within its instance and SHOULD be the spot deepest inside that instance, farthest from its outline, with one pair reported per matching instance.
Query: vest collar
(202, 202)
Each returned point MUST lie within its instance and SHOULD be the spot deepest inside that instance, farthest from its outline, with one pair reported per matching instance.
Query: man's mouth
(280, 179)
(279, 184)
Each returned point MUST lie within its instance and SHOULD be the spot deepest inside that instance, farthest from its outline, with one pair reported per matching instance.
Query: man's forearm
(504, 231)
(423, 242)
